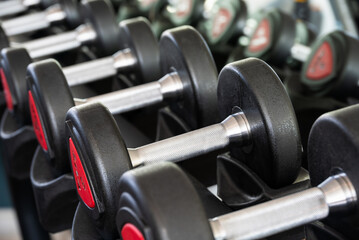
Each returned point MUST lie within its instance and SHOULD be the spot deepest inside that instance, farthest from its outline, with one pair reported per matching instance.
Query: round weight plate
(333, 146)
(4, 41)
(275, 151)
(184, 50)
(52, 99)
(72, 12)
(324, 62)
(136, 34)
(101, 16)
(163, 197)
(14, 62)
(99, 157)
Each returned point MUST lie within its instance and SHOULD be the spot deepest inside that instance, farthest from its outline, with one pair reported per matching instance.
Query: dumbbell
(279, 38)
(223, 21)
(139, 54)
(65, 11)
(331, 68)
(12, 7)
(260, 128)
(148, 202)
(176, 13)
(100, 31)
(189, 83)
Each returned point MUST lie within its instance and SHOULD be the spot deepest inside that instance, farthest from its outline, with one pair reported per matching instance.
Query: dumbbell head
(333, 147)
(101, 16)
(147, 205)
(48, 107)
(226, 21)
(136, 34)
(72, 12)
(331, 67)
(275, 151)
(197, 71)
(189, 56)
(14, 62)
(4, 41)
(275, 35)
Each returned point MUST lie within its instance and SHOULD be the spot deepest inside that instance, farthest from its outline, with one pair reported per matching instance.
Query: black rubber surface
(333, 147)
(185, 51)
(72, 11)
(53, 99)
(136, 34)
(158, 197)
(104, 156)
(275, 151)
(100, 14)
(14, 62)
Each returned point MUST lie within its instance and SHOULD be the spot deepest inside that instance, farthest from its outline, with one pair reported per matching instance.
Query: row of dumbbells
(259, 127)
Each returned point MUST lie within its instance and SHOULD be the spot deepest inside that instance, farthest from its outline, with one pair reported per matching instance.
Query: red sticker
(82, 184)
(184, 7)
(321, 65)
(36, 123)
(221, 22)
(130, 232)
(7, 93)
(261, 37)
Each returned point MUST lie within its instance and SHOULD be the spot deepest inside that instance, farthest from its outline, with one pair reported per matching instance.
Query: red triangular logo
(321, 65)
(7, 93)
(36, 122)
(261, 37)
(130, 232)
(82, 184)
(221, 22)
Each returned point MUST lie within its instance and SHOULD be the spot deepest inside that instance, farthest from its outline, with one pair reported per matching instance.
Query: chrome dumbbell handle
(33, 21)
(266, 219)
(100, 68)
(60, 42)
(11, 7)
(139, 96)
(300, 52)
(235, 128)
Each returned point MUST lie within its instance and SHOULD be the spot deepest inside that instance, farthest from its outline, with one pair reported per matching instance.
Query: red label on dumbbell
(183, 8)
(321, 65)
(82, 184)
(36, 123)
(130, 232)
(221, 22)
(261, 37)
(7, 93)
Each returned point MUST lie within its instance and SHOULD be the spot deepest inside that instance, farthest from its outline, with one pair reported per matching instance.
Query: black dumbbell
(279, 38)
(65, 11)
(331, 68)
(100, 31)
(189, 83)
(12, 7)
(223, 21)
(260, 128)
(139, 54)
(148, 202)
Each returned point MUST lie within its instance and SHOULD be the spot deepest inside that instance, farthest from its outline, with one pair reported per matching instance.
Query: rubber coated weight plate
(72, 12)
(184, 50)
(101, 16)
(51, 107)
(14, 62)
(4, 41)
(164, 198)
(275, 151)
(333, 146)
(137, 35)
(103, 163)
